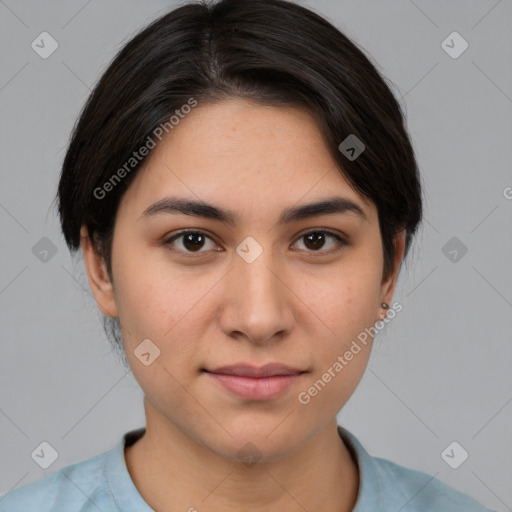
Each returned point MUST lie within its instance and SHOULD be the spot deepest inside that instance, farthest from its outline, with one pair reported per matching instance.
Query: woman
(244, 191)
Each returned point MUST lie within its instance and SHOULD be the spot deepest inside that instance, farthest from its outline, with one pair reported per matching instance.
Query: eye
(316, 240)
(191, 241)
(196, 242)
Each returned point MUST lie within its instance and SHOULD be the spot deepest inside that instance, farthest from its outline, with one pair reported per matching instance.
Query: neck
(174, 473)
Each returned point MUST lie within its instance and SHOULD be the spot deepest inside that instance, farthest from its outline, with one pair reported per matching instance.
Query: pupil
(317, 240)
(190, 238)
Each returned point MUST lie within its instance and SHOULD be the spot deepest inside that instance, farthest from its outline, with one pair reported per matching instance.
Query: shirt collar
(370, 495)
(128, 498)
(119, 481)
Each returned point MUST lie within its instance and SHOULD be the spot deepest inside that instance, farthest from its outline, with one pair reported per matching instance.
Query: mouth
(255, 383)
(247, 370)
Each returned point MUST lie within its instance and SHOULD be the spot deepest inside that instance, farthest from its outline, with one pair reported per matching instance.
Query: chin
(249, 443)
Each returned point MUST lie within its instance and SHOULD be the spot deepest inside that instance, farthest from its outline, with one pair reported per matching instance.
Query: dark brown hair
(273, 52)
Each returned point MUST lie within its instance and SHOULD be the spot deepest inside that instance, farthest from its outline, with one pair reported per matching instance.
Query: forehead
(242, 154)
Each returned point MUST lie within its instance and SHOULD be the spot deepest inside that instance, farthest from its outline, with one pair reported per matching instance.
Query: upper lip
(246, 370)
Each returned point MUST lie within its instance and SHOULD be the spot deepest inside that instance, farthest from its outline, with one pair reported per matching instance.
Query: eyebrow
(177, 205)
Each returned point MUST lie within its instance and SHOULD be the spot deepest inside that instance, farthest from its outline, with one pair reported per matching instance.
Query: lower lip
(251, 388)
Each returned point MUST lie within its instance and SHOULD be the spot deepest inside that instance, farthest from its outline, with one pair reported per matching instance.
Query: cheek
(159, 301)
(166, 310)
(345, 308)
(343, 302)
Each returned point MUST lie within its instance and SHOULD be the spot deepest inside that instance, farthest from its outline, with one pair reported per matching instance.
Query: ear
(388, 286)
(99, 280)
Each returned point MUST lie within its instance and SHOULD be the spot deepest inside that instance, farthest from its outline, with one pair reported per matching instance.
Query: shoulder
(417, 491)
(388, 486)
(80, 486)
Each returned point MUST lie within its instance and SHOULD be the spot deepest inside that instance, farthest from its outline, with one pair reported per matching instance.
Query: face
(259, 280)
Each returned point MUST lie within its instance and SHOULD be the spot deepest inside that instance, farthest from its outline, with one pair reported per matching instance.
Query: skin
(294, 304)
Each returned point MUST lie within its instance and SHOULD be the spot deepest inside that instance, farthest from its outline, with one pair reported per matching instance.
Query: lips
(268, 370)
(255, 383)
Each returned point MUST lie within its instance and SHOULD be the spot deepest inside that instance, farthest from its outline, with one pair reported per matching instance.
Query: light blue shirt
(103, 484)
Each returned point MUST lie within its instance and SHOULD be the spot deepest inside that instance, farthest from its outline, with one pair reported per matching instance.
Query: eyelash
(194, 254)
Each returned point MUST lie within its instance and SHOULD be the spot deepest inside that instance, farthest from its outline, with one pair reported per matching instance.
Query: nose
(257, 302)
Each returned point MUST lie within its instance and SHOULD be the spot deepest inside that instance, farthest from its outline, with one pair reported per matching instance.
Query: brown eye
(191, 241)
(314, 241)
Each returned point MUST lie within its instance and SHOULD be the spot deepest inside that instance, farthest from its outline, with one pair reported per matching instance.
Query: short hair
(271, 52)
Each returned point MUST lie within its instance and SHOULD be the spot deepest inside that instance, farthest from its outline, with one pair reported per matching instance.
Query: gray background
(441, 370)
